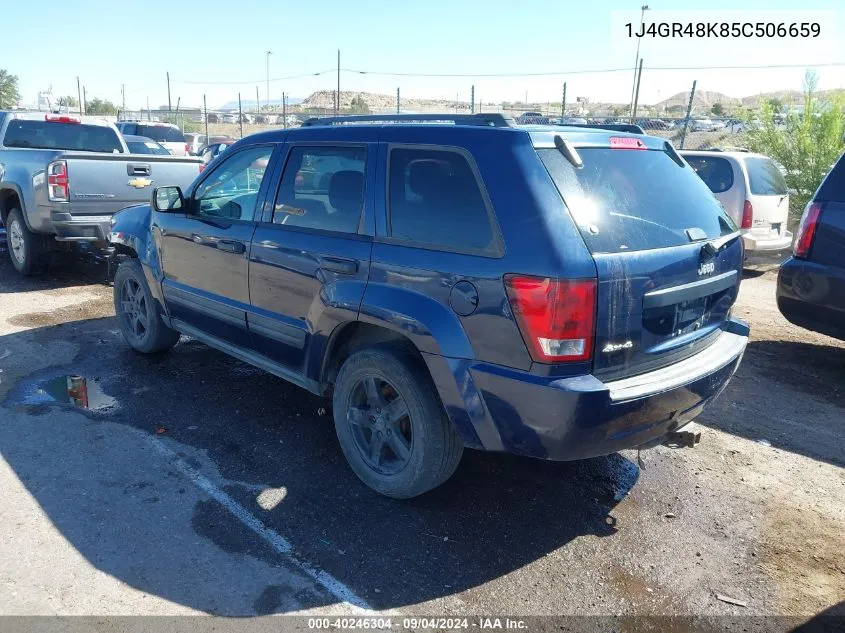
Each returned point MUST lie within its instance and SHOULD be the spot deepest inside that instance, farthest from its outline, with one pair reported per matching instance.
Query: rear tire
(26, 249)
(138, 313)
(391, 424)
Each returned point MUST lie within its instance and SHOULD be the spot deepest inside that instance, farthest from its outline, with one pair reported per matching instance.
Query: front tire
(391, 424)
(138, 313)
(26, 249)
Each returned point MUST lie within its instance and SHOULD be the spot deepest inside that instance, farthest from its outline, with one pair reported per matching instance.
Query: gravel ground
(197, 484)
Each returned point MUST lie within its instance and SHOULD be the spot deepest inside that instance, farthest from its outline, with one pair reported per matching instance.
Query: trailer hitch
(682, 439)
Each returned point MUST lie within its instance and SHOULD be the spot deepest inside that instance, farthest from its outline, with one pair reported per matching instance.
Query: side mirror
(167, 199)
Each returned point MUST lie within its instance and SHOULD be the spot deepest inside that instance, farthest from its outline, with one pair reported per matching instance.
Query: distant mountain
(249, 104)
(702, 99)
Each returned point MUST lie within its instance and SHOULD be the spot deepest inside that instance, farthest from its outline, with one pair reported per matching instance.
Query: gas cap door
(464, 298)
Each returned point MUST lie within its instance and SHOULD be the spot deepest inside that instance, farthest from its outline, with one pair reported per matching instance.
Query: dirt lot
(197, 484)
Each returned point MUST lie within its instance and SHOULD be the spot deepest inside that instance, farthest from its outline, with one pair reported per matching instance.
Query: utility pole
(644, 8)
(472, 100)
(268, 78)
(123, 97)
(397, 100)
(563, 102)
(284, 110)
(637, 93)
(205, 117)
(79, 96)
(149, 114)
(84, 101)
(240, 115)
(689, 111)
(257, 105)
(337, 105)
(169, 107)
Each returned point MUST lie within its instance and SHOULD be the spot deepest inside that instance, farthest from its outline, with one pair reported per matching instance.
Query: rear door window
(833, 186)
(435, 201)
(66, 136)
(716, 172)
(161, 133)
(633, 200)
(764, 177)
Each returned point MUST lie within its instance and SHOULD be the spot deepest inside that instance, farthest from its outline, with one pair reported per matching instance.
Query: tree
(359, 106)
(774, 103)
(717, 110)
(69, 101)
(9, 95)
(805, 144)
(100, 106)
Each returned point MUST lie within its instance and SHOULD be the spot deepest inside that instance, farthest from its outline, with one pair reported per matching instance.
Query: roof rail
(613, 127)
(492, 119)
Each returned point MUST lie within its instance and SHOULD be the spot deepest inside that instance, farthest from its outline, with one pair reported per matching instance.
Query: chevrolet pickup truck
(62, 178)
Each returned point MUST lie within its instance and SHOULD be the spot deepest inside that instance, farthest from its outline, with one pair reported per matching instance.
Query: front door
(205, 252)
(309, 264)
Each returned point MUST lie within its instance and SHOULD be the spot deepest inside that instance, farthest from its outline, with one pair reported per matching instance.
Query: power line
(253, 81)
(553, 73)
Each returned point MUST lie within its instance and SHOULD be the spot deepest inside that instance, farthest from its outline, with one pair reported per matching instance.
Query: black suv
(451, 282)
(811, 284)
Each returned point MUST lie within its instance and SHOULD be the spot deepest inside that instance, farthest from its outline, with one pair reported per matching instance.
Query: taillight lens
(807, 230)
(187, 150)
(556, 316)
(202, 166)
(57, 181)
(747, 215)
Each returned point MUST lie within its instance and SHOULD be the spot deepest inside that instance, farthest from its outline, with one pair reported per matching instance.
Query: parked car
(229, 118)
(210, 152)
(144, 145)
(170, 136)
(532, 118)
(62, 177)
(195, 143)
(526, 290)
(702, 125)
(811, 284)
(753, 191)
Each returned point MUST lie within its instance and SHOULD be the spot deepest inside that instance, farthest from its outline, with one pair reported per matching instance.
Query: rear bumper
(581, 417)
(812, 296)
(80, 228)
(762, 251)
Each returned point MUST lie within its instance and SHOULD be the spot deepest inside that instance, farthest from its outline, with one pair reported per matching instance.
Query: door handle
(339, 265)
(231, 246)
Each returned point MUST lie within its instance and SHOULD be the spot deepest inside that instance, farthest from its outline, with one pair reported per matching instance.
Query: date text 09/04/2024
(725, 29)
(416, 623)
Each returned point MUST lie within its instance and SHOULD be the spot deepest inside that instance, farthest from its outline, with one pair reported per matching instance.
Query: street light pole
(644, 8)
(267, 103)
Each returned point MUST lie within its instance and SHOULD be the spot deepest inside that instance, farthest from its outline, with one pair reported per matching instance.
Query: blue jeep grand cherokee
(451, 281)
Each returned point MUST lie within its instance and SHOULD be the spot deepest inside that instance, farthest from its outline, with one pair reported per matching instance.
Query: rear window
(141, 147)
(67, 136)
(764, 177)
(716, 172)
(160, 133)
(633, 200)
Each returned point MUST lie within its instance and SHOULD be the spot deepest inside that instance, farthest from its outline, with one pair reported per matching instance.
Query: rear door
(828, 247)
(310, 256)
(769, 197)
(668, 257)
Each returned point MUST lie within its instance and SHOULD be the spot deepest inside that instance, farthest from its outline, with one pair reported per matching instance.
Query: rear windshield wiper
(714, 246)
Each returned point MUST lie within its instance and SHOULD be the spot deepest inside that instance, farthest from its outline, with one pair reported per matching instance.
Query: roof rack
(492, 119)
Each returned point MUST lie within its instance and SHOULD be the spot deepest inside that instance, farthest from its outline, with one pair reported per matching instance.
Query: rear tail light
(57, 181)
(807, 230)
(202, 166)
(187, 150)
(556, 316)
(747, 215)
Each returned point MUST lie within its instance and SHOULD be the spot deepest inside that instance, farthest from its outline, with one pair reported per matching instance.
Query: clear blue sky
(110, 43)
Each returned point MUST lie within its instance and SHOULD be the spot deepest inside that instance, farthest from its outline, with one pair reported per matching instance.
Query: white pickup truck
(62, 177)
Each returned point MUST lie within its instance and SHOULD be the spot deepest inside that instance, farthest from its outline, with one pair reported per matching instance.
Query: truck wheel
(138, 314)
(391, 424)
(25, 247)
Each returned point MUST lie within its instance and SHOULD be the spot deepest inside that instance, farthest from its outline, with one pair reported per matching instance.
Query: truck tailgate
(101, 184)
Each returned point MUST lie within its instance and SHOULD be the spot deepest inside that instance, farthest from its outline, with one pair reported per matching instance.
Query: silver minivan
(753, 191)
